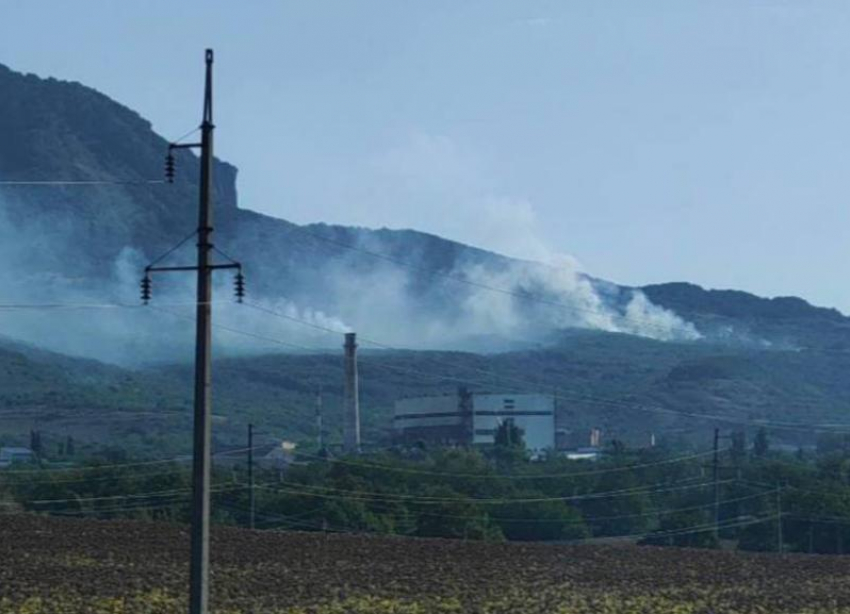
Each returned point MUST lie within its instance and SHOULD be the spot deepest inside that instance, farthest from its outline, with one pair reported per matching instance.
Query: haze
(652, 141)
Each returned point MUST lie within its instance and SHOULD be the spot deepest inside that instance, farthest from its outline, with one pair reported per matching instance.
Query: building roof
(12, 450)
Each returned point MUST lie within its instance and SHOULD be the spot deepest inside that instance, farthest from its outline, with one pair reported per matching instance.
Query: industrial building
(467, 418)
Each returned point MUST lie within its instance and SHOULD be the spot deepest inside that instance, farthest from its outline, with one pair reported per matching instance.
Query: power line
(559, 395)
(530, 476)
(425, 500)
(774, 425)
(730, 524)
(592, 519)
(83, 182)
(526, 296)
(174, 459)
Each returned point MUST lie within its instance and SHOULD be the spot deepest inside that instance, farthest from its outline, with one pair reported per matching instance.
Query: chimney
(351, 424)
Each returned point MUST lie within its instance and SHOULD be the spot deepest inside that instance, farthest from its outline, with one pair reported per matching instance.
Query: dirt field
(85, 566)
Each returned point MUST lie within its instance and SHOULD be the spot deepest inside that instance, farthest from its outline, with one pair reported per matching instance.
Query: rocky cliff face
(54, 130)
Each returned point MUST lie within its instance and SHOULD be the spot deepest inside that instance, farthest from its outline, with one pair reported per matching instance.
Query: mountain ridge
(60, 129)
(75, 255)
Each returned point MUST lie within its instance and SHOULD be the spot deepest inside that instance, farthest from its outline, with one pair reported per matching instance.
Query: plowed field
(81, 566)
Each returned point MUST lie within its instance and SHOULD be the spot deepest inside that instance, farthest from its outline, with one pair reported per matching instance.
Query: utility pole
(199, 571)
(320, 427)
(779, 537)
(716, 477)
(251, 498)
(199, 588)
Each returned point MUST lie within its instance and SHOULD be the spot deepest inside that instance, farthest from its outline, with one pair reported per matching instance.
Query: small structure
(590, 453)
(472, 419)
(279, 457)
(10, 456)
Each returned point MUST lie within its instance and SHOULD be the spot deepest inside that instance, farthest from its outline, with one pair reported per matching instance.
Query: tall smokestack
(351, 425)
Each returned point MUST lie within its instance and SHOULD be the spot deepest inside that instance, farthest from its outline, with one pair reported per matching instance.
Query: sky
(646, 141)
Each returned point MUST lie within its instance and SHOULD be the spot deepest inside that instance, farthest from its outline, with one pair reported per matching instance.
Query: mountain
(663, 358)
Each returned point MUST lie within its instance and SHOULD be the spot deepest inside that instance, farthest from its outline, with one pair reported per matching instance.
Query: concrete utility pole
(202, 433)
(716, 478)
(251, 497)
(351, 424)
(199, 589)
(780, 540)
(466, 407)
(320, 426)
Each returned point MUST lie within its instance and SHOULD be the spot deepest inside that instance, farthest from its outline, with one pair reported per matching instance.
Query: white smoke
(528, 300)
(492, 299)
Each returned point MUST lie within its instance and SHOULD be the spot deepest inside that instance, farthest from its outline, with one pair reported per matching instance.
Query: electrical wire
(734, 523)
(526, 296)
(83, 182)
(329, 492)
(592, 519)
(174, 459)
(595, 472)
(774, 425)
(559, 394)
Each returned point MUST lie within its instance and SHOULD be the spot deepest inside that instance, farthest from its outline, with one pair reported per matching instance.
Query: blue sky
(651, 141)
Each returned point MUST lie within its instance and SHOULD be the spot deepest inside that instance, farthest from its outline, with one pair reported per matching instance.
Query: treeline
(761, 500)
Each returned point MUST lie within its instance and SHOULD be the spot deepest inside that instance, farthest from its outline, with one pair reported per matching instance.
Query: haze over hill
(88, 244)
(73, 257)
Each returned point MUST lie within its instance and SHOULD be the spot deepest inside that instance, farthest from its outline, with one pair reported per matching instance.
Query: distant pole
(251, 498)
(780, 542)
(320, 427)
(716, 478)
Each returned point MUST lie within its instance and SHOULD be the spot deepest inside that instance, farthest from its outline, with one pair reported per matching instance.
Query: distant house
(9, 456)
(279, 457)
(590, 453)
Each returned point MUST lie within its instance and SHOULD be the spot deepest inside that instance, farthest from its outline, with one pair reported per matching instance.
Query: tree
(35, 442)
(509, 443)
(738, 452)
(454, 515)
(761, 444)
(689, 529)
(509, 435)
(625, 513)
(539, 521)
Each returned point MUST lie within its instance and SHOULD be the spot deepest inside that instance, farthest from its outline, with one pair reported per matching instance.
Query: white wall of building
(427, 411)
(533, 413)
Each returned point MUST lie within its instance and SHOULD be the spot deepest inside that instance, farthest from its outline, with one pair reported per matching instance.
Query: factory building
(466, 418)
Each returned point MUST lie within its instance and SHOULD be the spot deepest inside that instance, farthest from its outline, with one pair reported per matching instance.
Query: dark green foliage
(678, 530)
(761, 444)
(509, 435)
(466, 494)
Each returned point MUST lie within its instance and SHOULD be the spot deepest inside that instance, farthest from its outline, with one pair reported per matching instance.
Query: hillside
(88, 242)
(671, 358)
(628, 386)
